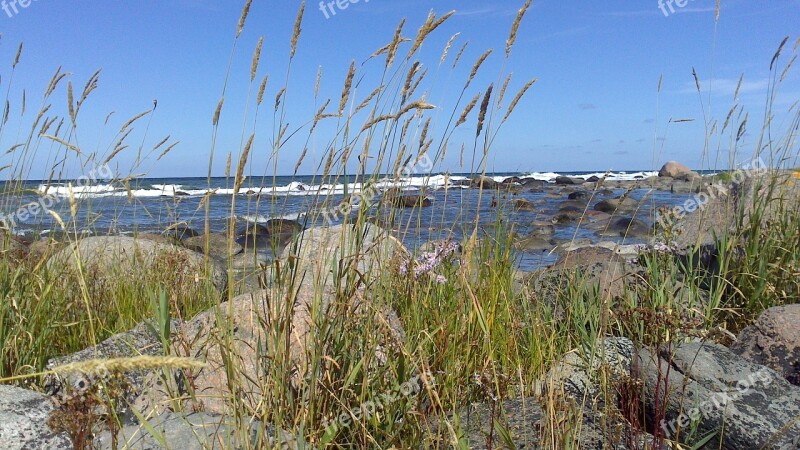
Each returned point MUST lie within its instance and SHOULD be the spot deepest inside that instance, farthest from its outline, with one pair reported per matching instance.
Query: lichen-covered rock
(774, 341)
(708, 388)
(142, 340)
(577, 373)
(23, 421)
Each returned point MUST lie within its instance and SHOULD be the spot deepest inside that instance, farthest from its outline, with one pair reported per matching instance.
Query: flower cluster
(427, 262)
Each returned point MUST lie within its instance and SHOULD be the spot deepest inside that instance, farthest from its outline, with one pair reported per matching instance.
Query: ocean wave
(297, 188)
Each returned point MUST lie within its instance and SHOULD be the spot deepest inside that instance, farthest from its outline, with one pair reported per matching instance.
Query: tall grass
(479, 332)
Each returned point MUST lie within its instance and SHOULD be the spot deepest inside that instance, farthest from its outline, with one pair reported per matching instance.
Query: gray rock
(566, 181)
(484, 183)
(620, 204)
(749, 406)
(526, 424)
(106, 259)
(23, 421)
(192, 431)
(141, 340)
(774, 341)
(627, 227)
(577, 373)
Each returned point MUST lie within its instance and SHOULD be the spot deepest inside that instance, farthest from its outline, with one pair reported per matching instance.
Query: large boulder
(23, 421)
(674, 169)
(107, 260)
(702, 389)
(325, 279)
(774, 341)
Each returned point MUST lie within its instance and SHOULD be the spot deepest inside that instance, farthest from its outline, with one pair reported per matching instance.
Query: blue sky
(595, 105)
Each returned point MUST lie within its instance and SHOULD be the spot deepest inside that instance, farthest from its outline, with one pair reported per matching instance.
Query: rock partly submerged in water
(215, 245)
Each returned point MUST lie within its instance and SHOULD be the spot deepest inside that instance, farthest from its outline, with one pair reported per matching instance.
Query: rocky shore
(741, 393)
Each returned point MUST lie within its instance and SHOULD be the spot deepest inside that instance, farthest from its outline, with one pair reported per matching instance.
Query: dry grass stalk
(256, 59)
(319, 80)
(297, 29)
(368, 99)
(261, 89)
(70, 104)
(278, 98)
(134, 119)
(217, 112)
(431, 24)
(17, 56)
(460, 54)
(484, 108)
(409, 77)
(57, 77)
(163, 141)
(503, 91)
(167, 150)
(348, 84)
(391, 49)
(419, 105)
(300, 160)
(63, 142)
(468, 109)
(118, 147)
(243, 17)
(517, 98)
(477, 67)
(120, 365)
(228, 165)
(424, 134)
(447, 48)
(515, 27)
(237, 181)
(419, 79)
